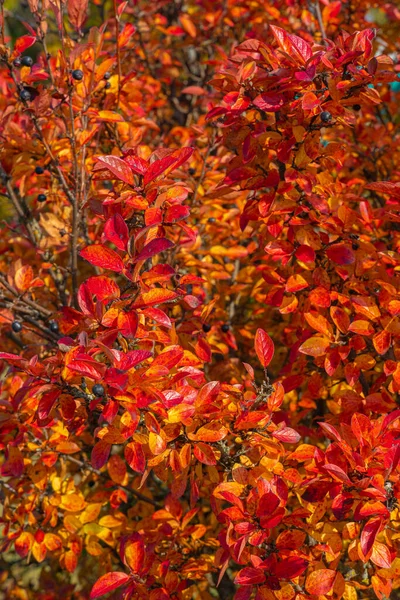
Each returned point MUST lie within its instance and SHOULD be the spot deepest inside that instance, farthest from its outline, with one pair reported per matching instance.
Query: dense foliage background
(199, 299)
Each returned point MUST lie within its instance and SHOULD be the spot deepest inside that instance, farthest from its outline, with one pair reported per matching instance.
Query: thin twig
(317, 9)
(102, 475)
(44, 311)
(116, 16)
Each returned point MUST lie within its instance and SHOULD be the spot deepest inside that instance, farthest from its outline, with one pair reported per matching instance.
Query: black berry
(189, 288)
(98, 389)
(17, 62)
(41, 198)
(206, 327)
(53, 326)
(25, 95)
(326, 116)
(225, 327)
(16, 326)
(26, 61)
(356, 107)
(212, 220)
(77, 74)
(192, 171)
(107, 75)
(108, 85)
(39, 170)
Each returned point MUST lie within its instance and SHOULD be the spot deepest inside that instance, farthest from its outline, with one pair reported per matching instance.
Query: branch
(43, 311)
(20, 206)
(103, 476)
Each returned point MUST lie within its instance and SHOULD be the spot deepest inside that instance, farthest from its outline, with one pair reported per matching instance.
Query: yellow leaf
(72, 502)
(110, 116)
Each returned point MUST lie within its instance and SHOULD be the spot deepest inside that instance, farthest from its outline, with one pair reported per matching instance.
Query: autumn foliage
(200, 300)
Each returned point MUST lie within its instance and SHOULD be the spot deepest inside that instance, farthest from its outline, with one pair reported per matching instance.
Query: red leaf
(305, 254)
(137, 164)
(24, 42)
(264, 347)
(194, 90)
(249, 576)
(369, 534)
(152, 248)
(268, 102)
(135, 457)
(108, 583)
(341, 254)
(158, 316)
(10, 357)
(47, 402)
(104, 288)
(88, 368)
(100, 454)
(168, 163)
(337, 472)
(100, 256)
(118, 167)
(77, 12)
(385, 187)
(176, 213)
(292, 44)
(157, 168)
(287, 435)
(267, 504)
(290, 567)
(128, 323)
(85, 300)
(203, 350)
(181, 156)
(116, 231)
(204, 454)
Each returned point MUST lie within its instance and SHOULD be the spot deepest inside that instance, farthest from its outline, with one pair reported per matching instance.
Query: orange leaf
(319, 323)
(116, 468)
(154, 296)
(361, 327)
(77, 12)
(315, 346)
(230, 487)
(320, 582)
(382, 341)
(188, 25)
(23, 278)
(157, 443)
(134, 554)
(24, 543)
(213, 432)
(381, 556)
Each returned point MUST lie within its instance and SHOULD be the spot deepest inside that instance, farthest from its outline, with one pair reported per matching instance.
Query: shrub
(199, 300)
